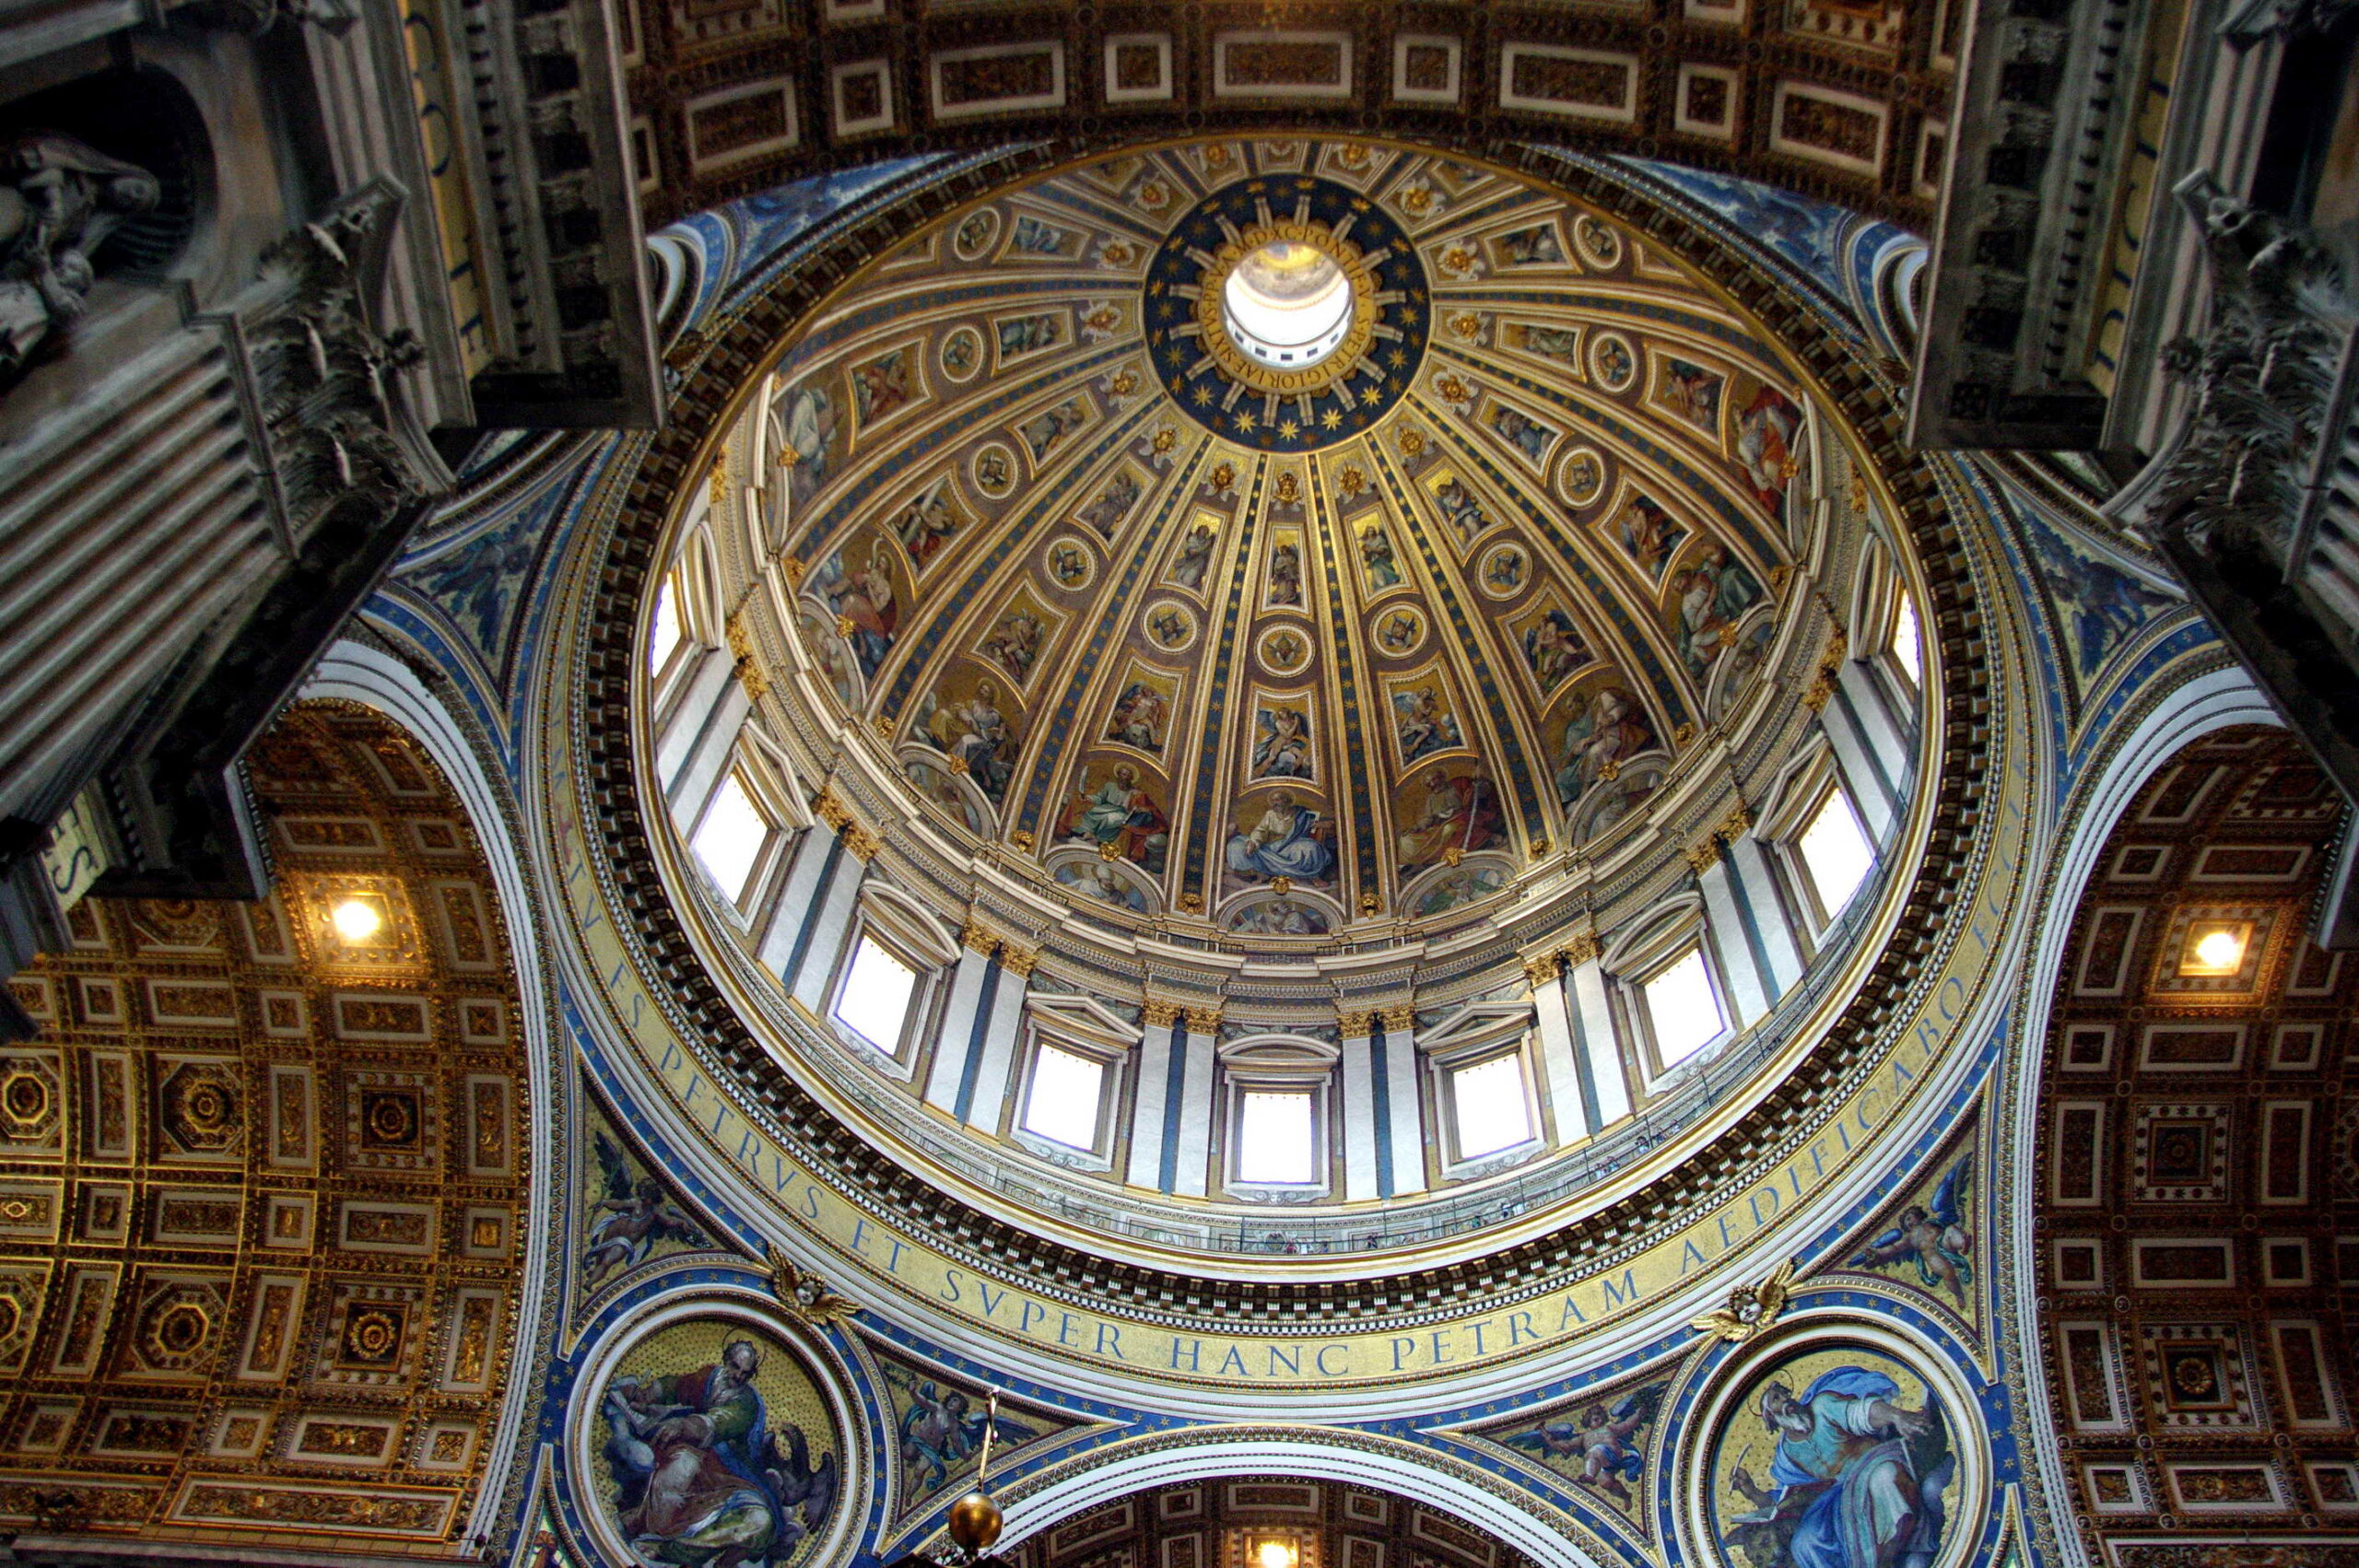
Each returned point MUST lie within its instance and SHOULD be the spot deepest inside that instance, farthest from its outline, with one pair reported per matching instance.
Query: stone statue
(2263, 378)
(60, 199)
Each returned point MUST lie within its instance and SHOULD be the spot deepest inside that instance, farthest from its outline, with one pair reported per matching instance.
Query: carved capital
(740, 634)
(1736, 825)
(828, 808)
(1820, 692)
(1704, 856)
(1017, 960)
(978, 937)
(1354, 1025)
(1399, 1020)
(752, 676)
(1540, 970)
(1202, 1020)
(1582, 949)
(324, 377)
(862, 844)
(1159, 1013)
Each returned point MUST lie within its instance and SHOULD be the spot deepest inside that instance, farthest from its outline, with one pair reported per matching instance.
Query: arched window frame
(1079, 1028)
(693, 583)
(767, 856)
(1803, 786)
(1515, 1042)
(893, 921)
(1653, 944)
(1880, 591)
(1281, 1064)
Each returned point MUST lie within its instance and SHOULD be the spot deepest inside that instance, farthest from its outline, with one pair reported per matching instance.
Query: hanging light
(975, 1519)
(1275, 1553)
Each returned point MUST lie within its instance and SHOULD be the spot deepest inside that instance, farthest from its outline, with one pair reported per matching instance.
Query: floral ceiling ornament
(807, 1296)
(1751, 1308)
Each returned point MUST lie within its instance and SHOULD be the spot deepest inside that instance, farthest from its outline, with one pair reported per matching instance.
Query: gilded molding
(1158, 1013)
(1355, 1025)
(1399, 1020)
(1017, 960)
(1202, 1020)
(1704, 856)
(828, 808)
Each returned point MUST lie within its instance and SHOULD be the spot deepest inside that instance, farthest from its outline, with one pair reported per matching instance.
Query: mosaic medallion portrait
(1838, 1453)
(713, 1445)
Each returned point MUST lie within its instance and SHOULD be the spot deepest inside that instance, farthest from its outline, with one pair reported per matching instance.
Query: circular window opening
(1287, 304)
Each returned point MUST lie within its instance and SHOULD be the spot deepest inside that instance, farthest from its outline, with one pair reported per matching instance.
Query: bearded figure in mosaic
(701, 1480)
(1856, 1478)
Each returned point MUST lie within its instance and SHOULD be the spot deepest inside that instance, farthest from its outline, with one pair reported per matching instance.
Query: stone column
(1571, 1111)
(1740, 959)
(835, 904)
(1358, 1117)
(1870, 752)
(786, 930)
(1187, 1158)
(1594, 1044)
(700, 733)
(995, 1057)
(1155, 1105)
(1400, 1148)
(1769, 928)
(964, 1017)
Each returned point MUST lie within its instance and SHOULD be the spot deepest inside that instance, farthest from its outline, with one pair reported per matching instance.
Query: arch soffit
(2216, 695)
(355, 671)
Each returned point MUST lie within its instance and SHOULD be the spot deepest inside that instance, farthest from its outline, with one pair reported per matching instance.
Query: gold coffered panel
(261, 1180)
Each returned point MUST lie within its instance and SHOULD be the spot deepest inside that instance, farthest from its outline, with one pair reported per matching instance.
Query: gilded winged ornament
(807, 1296)
(1751, 1308)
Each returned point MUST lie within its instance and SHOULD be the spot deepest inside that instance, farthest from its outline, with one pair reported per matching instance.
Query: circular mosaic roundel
(1272, 407)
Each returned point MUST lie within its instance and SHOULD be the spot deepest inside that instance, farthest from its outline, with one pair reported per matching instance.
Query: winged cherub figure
(635, 1216)
(1933, 1237)
(1604, 1441)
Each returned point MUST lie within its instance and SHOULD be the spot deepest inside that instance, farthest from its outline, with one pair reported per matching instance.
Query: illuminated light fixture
(2215, 947)
(1274, 1554)
(357, 919)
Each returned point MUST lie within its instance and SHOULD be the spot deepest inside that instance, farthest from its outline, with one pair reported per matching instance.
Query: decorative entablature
(1849, 102)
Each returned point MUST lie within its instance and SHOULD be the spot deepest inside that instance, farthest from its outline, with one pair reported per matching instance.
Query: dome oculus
(1285, 315)
(1287, 304)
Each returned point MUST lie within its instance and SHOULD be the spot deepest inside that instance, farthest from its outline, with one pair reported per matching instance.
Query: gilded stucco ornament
(1752, 1309)
(807, 1296)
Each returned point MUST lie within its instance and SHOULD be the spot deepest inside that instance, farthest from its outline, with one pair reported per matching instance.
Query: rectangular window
(1493, 1111)
(1683, 1009)
(664, 633)
(729, 838)
(1274, 1138)
(1066, 1090)
(875, 1001)
(1835, 851)
(1907, 643)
